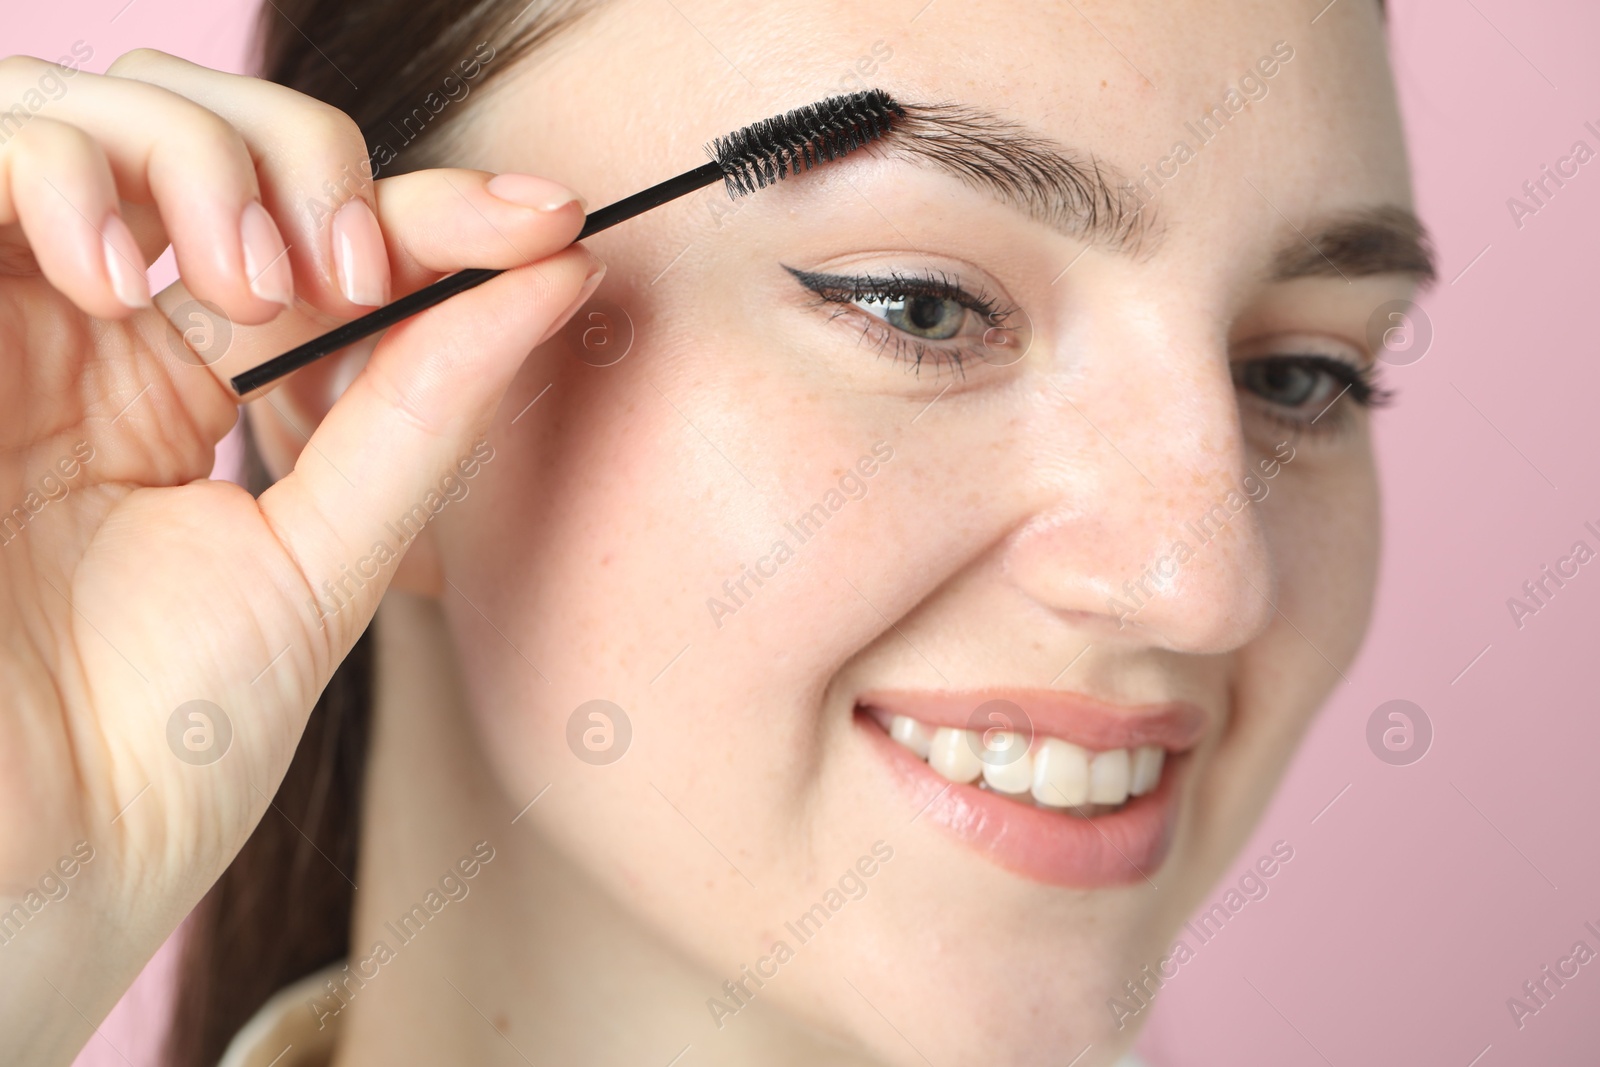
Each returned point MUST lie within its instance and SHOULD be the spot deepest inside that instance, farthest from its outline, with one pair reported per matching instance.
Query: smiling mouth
(1058, 787)
(1042, 772)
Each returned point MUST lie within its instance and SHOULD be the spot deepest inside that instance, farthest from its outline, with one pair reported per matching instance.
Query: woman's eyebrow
(1095, 201)
(1082, 197)
(1378, 240)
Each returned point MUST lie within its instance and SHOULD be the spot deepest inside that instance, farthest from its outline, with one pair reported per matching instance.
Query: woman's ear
(283, 420)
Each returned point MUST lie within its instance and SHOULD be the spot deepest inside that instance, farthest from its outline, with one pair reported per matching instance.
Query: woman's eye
(923, 317)
(928, 317)
(1283, 382)
(1307, 384)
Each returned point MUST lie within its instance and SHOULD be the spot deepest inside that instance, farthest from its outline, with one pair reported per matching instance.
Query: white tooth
(911, 733)
(1060, 773)
(1108, 777)
(1007, 767)
(1147, 760)
(954, 754)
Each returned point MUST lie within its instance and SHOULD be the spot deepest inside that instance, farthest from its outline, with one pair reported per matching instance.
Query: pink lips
(1072, 717)
(1119, 848)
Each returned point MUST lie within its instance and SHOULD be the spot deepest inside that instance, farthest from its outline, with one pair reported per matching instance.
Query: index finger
(433, 222)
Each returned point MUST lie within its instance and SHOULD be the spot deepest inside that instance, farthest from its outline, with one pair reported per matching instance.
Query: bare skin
(106, 584)
(584, 559)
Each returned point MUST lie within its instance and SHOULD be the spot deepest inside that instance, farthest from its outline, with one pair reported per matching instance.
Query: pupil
(1284, 383)
(929, 317)
(925, 312)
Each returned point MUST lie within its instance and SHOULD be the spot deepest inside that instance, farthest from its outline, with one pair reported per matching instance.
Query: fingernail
(596, 274)
(525, 190)
(266, 260)
(124, 262)
(359, 257)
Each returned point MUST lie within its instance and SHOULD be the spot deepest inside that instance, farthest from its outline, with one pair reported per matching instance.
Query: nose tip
(1186, 567)
(1208, 589)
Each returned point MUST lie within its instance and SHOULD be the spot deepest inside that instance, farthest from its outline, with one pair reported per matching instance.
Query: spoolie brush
(746, 160)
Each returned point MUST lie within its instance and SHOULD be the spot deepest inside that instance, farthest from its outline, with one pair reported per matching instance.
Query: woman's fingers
(372, 470)
(265, 196)
(438, 221)
(312, 167)
(432, 223)
(164, 148)
(58, 200)
(314, 176)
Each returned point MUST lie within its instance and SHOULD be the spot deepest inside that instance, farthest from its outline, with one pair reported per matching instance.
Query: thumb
(368, 477)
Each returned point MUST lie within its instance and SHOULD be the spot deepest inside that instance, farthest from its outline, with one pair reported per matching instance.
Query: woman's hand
(164, 642)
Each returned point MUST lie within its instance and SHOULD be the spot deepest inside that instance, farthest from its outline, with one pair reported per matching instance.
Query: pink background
(1424, 895)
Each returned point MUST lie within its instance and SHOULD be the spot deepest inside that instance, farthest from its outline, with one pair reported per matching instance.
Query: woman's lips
(1073, 717)
(1110, 837)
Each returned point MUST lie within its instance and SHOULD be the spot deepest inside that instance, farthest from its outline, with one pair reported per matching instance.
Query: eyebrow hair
(1378, 240)
(1095, 201)
(1080, 196)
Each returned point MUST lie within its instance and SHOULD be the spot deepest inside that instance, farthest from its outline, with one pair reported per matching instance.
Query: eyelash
(1359, 383)
(843, 290)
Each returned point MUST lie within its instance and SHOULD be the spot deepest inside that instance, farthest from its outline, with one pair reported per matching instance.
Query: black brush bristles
(746, 160)
(772, 149)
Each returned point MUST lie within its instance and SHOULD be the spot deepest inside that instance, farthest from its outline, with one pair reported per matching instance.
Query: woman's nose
(1149, 515)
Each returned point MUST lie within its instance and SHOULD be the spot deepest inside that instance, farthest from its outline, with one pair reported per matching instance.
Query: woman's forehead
(1119, 87)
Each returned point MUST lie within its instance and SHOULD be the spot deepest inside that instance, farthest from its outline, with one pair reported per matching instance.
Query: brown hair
(282, 909)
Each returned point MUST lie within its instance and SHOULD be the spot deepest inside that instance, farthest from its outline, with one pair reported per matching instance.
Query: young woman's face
(879, 441)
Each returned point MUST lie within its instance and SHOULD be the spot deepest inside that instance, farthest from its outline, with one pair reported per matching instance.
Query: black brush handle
(459, 282)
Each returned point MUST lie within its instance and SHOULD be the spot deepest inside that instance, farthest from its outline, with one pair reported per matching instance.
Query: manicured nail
(124, 262)
(266, 260)
(359, 257)
(525, 190)
(597, 273)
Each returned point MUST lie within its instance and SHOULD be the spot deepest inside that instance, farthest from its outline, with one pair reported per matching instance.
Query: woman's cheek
(1322, 521)
(1324, 527)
